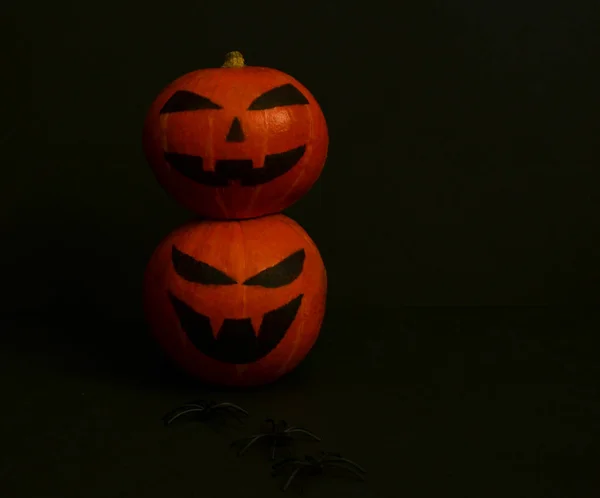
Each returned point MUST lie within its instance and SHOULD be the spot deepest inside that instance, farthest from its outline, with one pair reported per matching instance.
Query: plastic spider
(312, 466)
(204, 410)
(278, 434)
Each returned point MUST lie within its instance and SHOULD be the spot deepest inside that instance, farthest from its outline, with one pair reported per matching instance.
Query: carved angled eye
(283, 273)
(283, 95)
(183, 100)
(197, 272)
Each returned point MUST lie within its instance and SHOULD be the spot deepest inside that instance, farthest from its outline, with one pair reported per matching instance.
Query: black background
(463, 171)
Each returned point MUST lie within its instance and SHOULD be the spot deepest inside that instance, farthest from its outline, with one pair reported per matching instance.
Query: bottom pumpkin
(236, 303)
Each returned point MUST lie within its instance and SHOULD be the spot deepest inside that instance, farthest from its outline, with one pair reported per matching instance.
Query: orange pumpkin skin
(210, 326)
(226, 137)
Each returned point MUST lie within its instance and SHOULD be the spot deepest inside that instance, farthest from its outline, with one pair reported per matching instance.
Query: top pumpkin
(237, 141)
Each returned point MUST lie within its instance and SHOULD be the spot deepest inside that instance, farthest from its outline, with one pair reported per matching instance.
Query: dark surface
(463, 167)
(432, 402)
(463, 171)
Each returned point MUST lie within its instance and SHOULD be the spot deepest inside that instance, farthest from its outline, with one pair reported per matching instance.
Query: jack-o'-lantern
(236, 303)
(237, 141)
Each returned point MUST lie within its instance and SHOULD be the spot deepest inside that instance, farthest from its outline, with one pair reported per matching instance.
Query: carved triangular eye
(286, 94)
(182, 100)
(283, 273)
(197, 272)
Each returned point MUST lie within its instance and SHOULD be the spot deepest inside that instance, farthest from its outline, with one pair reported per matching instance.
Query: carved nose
(236, 134)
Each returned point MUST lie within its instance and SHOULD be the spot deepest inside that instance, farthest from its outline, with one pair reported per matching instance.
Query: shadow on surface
(474, 396)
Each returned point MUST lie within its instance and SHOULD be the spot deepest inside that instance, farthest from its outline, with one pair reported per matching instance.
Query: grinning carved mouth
(236, 342)
(230, 170)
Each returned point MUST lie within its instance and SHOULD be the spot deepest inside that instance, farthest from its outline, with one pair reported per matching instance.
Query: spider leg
(292, 430)
(337, 459)
(232, 406)
(234, 415)
(253, 440)
(232, 410)
(199, 407)
(170, 418)
(274, 450)
(244, 439)
(291, 478)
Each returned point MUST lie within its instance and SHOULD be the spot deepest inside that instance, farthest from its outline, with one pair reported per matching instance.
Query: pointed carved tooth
(256, 323)
(216, 322)
(208, 163)
(259, 161)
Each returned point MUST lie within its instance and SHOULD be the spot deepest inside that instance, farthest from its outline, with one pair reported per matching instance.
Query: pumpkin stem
(234, 59)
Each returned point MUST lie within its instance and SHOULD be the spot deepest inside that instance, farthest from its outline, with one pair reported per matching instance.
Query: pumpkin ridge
(185, 144)
(245, 267)
(182, 326)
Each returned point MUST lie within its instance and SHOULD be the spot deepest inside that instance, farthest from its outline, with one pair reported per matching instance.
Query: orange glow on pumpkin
(236, 303)
(236, 142)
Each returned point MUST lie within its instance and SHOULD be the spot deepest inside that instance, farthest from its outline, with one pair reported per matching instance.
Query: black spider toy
(311, 466)
(204, 410)
(278, 434)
